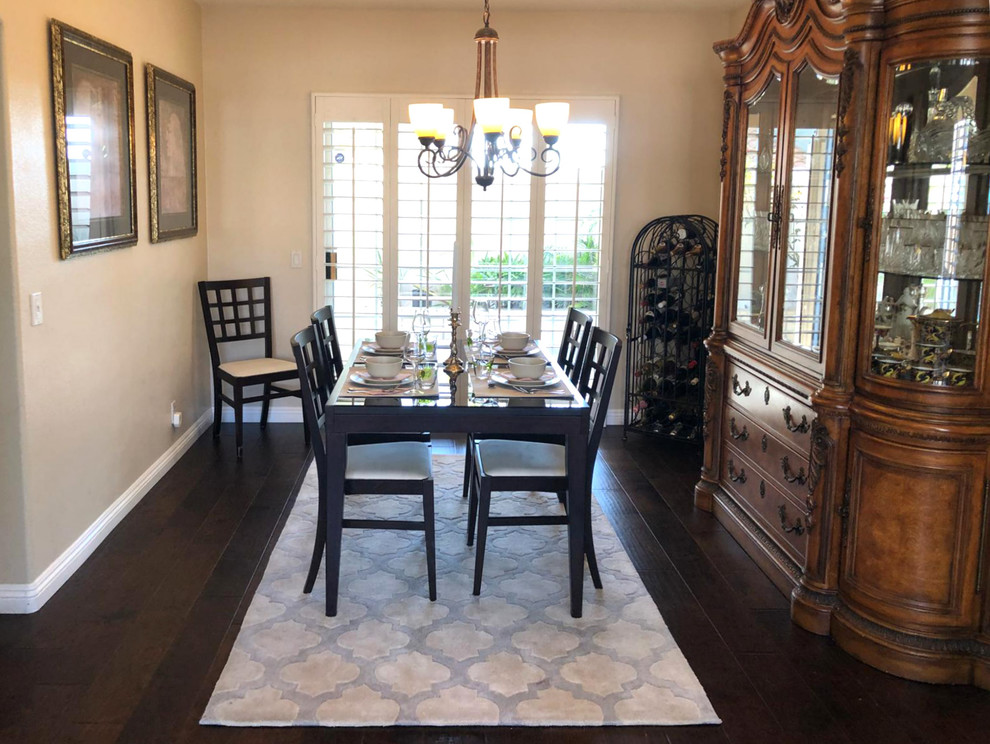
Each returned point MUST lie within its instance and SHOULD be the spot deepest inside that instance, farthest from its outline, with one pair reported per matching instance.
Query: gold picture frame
(93, 107)
(171, 155)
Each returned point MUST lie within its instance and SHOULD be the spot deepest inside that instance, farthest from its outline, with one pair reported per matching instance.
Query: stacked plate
(507, 379)
(527, 350)
(405, 377)
(370, 347)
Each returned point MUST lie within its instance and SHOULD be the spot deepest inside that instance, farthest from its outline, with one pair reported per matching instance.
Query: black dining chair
(333, 363)
(394, 468)
(514, 465)
(239, 310)
(570, 358)
(577, 331)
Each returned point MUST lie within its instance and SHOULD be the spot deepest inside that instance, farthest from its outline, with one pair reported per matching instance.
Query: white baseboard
(292, 414)
(22, 599)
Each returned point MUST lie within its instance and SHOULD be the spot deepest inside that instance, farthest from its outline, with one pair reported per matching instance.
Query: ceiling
(497, 5)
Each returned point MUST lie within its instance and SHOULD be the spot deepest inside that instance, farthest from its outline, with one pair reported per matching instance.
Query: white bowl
(391, 339)
(527, 368)
(386, 367)
(513, 340)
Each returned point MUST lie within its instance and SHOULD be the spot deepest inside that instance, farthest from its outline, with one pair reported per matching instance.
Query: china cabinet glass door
(804, 246)
(933, 234)
(758, 206)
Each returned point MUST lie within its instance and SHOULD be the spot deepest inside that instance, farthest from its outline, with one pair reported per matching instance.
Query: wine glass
(414, 355)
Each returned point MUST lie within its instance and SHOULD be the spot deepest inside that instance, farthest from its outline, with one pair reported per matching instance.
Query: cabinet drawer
(773, 408)
(768, 505)
(786, 465)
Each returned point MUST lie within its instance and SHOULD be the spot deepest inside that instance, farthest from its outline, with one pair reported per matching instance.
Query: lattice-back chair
(570, 357)
(513, 465)
(238, 310)
(333, 363)
(326, 335)
(577, 331)
(397, 468)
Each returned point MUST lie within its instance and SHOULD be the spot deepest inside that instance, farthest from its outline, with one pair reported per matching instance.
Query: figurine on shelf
(908, 304)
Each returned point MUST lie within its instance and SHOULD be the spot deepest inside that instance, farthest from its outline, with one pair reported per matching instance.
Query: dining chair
(238, 310)
(577, 331)
(333, 363)
(514, 465)
(394, 468)
(570, 358)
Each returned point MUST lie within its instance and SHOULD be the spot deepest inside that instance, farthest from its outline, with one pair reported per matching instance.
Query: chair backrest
(312, 375)
(326, 337)
(237, 310)
(597, 378)
(577, 330)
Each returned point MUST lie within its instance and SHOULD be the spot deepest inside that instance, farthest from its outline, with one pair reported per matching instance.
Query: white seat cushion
(505, 458)
(389, 461)
(261, 366)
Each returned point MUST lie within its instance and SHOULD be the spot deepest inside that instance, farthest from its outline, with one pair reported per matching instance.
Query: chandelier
(503, 127)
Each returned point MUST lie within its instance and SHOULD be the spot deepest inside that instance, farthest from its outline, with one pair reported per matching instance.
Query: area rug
(513, 656)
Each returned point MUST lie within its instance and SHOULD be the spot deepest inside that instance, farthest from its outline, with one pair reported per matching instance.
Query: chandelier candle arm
(503, 128)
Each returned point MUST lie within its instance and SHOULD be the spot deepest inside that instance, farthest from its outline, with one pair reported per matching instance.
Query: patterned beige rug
(512, 656)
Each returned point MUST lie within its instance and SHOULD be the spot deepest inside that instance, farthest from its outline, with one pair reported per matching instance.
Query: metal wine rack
(671, 293)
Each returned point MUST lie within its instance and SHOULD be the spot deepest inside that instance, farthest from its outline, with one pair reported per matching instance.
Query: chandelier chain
(486, 15)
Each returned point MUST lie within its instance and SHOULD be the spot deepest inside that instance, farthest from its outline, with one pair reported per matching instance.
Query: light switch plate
(296, 260)
(37, 316)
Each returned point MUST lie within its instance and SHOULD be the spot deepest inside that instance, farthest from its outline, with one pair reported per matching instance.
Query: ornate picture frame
(171, 155)
(93, 108)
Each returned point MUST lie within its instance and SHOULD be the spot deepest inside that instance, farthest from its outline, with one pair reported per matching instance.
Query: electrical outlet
(296, 259)
(37, 316)
(175, 417)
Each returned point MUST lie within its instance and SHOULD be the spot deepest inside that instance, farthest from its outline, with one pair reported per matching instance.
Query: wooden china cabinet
(848, 392)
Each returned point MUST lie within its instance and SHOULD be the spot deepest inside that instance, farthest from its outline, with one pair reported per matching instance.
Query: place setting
(393, 366)
(514, 366)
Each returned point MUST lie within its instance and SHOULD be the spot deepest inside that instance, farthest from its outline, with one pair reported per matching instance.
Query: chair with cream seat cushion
(236, 311)
(333, 363)
(394, 468)
(570, 358)
(515, 465)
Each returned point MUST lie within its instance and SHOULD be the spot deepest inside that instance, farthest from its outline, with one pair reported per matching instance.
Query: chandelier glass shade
(447, 146)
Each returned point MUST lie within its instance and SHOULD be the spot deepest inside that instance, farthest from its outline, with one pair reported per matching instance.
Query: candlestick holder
(454, 365)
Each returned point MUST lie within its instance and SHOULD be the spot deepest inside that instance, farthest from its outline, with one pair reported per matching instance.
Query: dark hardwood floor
(130, 648)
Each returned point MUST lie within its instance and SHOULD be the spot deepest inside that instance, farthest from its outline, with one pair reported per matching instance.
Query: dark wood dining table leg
(577, 448)
(336, 466)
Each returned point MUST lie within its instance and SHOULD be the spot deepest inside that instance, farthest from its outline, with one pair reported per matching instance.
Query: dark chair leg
(468, 467)
(239, 420)
(306, 437)
(431, 540)
(484, 505)
(589, 549)
(217, 407)
(319, 542)
(562, 497)
(473, 489)
(264, 404)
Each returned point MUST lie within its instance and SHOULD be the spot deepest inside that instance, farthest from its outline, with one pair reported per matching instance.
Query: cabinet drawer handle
(766, 396)
(797, 528)
(801, 428)
(735, 477)
(763, 489)
(740, 390)
(763, 443)
(800, 477)
(735, 433)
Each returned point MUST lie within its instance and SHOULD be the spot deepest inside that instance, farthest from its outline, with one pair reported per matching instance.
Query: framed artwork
(171, 155)
(93, 104)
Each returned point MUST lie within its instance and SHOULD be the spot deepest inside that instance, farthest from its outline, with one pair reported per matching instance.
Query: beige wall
(122, 335)
(12, 554)
(261, 65)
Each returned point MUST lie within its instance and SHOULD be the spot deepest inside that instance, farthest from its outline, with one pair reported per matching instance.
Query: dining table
(464, 402)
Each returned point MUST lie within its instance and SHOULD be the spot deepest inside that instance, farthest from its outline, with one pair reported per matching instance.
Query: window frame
(590, 109)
